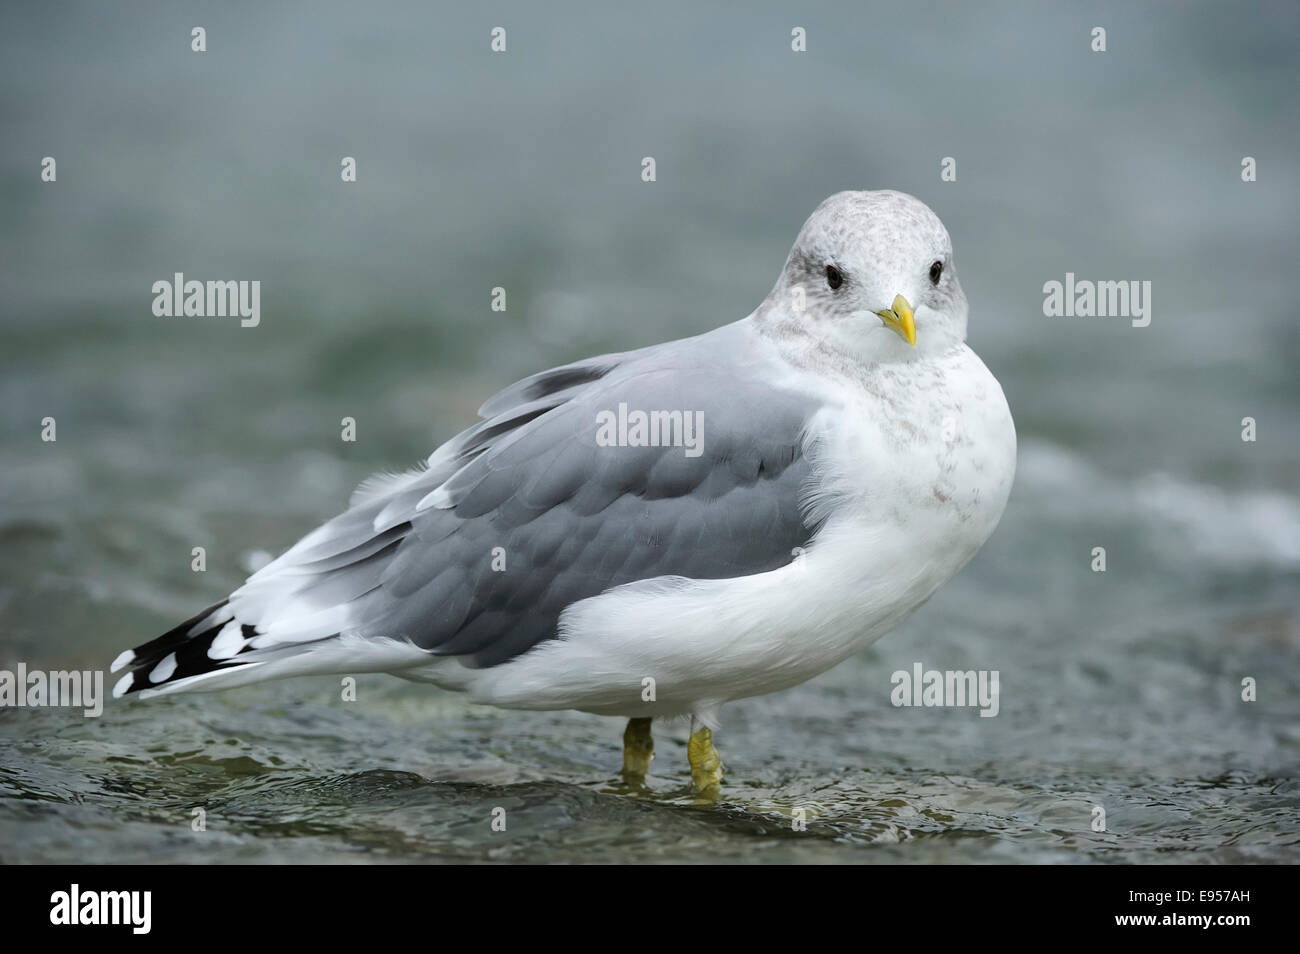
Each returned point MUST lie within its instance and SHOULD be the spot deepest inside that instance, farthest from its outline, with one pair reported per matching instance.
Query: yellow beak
(899, 319)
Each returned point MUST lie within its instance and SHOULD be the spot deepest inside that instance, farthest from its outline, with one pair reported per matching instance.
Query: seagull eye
(833, 277)
(935, 271)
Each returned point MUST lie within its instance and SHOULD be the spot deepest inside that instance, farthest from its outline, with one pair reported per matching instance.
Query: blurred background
(522, 170)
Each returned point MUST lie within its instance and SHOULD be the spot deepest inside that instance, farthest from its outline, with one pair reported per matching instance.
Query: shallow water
(290, 774)
(1119, 690)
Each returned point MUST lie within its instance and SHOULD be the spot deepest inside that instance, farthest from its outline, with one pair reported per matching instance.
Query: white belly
(912, 480)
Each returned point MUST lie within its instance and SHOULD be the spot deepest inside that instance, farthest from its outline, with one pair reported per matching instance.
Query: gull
(658, 532)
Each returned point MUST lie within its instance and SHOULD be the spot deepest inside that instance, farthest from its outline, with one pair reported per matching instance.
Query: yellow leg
(638, 749)
(706, 767)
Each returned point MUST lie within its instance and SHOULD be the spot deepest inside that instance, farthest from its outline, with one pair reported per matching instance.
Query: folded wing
(678, 460)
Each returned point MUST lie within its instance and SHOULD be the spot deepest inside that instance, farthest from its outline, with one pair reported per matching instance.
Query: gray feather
(573, 518)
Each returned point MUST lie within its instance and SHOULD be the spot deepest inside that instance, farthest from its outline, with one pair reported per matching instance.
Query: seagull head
(873, 272)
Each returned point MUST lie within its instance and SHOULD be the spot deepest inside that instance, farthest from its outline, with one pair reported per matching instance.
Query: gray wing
(527, 512)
